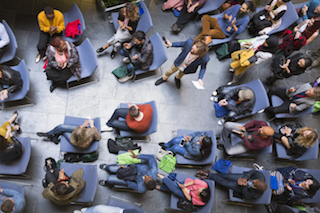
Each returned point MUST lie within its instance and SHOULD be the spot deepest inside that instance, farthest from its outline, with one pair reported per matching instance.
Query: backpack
(124, 143)
(90, 157)
(186, 205)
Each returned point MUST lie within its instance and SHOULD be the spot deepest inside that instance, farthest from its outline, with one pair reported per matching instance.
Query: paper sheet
(197, 85)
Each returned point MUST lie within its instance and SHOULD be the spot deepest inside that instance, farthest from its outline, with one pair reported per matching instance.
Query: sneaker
(176, 29)
(43, 134)
(83, 210)
(312, 53)
(44, 58)
(257, 166)
(106, 129)
(230, 83)
(214, 93)
(231, 70)
(315, 63)
(126, 60)
(159, 81)
(100, 50)
(207, 39)
(38, 58)
(214, 99)
(125, 78)
(221, 122)
(178, 83)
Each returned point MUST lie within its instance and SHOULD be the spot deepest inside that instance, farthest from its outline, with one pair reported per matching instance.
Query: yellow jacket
(45, 24)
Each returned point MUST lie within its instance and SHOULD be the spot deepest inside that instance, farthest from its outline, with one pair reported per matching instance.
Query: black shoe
(44, 183)
(100, 50)
(18, 130)
(159, 81)
(105, 183)
(268, 207)
(53, 87)
(218, 137)
(43, 134)
(220, 146)
(178, 83)
(15, 112)
(113, 54)
(162, 145)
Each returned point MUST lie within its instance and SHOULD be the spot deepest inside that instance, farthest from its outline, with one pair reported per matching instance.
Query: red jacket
(143, 125)
(256, 143)
(73, 29)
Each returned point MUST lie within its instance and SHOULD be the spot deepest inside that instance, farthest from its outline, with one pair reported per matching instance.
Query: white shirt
(4, 38)
(187, 60)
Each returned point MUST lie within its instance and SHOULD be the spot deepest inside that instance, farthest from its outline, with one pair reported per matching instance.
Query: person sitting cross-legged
(255, 135)
(137, 118)
(79, 136)
(244, 101)
(249, 185)
(139, 176)
(295, 99)
(234, 21)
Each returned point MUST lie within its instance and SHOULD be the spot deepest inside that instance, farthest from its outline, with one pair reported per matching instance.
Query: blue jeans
(171, 186)
(229, 181)
(115, 123)
(62, 129)
(174, 146)
(113, 179)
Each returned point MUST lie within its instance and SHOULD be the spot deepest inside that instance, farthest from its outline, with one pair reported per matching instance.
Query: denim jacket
(148, 166)
(193, 147)
(18, 198)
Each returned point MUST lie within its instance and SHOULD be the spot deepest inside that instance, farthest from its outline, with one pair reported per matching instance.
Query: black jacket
(13, 151)
(248, 192)
(11, 78)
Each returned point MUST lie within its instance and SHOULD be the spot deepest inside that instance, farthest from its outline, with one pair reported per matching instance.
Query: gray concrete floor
(187, 108)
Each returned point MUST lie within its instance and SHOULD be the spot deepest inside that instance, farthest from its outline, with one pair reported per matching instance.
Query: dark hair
(61, 189)
(48, 10)
(151, 185)
(134, 112)
(205, 149)
(313, 188)
(308, 62)
(56, 41)
(251, 6)
(205, 195)
(139, 35)
(7, 206)
(3, 143)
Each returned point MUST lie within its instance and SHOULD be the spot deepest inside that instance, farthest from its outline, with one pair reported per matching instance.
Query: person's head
(313, 185)
(139, 37)
(49, 13)
(131, 11)
(245, 94)
(282, 1)
(7, 206)
(266, 131)
(3, 143)
(204, 194)
(1, 68)
(304, 62)
(206, 145)
(260, 185)
(134, 111)
(79, 133)
(247, 6)
(314, 91)
(149, 182)
(307, 137)
(271, 44)
(61, 188)
(199, 48)
(59, 43)
(317, 9)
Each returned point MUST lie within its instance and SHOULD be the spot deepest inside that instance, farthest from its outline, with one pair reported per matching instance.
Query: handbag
(162, 153)
(186, 205)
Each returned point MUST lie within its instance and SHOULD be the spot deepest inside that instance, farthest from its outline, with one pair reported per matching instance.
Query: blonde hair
(132, 11)
(308, 140)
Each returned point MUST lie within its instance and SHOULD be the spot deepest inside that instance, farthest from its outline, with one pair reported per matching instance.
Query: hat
(245, 94)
